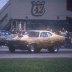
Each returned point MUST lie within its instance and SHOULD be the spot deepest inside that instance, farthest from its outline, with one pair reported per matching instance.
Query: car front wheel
(33, 48)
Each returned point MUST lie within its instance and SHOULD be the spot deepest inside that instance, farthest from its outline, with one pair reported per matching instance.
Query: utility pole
(25, 23)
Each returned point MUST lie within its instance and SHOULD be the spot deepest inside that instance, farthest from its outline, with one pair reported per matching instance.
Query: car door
(45, 39)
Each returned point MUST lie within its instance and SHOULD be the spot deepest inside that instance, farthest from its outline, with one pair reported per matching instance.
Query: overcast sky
(2, 3)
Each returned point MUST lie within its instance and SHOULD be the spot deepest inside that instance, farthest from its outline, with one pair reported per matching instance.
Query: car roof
(38, 31)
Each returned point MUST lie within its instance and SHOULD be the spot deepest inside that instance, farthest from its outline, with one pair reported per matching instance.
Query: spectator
(49, 29)
(63, 32)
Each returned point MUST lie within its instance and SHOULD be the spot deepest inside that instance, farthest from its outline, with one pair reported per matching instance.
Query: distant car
(3, 35)
(35, 40)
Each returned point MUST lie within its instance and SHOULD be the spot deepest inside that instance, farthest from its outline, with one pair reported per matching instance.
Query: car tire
(54, 49)
(11, 49)
(33, 48)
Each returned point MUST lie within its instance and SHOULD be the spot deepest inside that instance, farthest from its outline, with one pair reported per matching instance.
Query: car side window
(49, 34)
(45, 34)
(33, 34)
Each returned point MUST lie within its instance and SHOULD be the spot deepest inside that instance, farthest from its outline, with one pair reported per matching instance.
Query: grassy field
(36, 65)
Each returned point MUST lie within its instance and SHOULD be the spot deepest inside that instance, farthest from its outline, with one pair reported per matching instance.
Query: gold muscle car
(35, 40)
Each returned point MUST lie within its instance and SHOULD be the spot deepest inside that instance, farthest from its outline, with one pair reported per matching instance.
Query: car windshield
(33, 34)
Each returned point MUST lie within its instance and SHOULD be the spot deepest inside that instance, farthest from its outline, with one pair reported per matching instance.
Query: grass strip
(36, 65)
